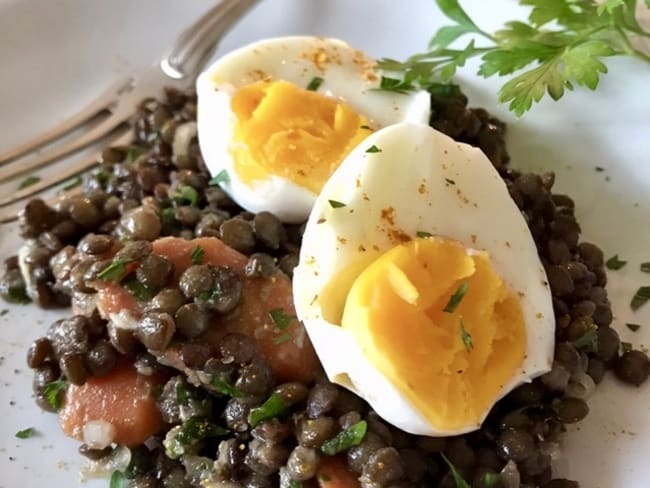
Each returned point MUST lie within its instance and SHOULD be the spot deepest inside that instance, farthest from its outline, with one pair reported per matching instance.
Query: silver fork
(107, 116)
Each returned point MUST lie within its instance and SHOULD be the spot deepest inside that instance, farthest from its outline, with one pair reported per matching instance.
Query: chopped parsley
(53, 393)
(221, 177)
(614, 263)
(626, 346)
(197, 255)
(118, 480)
(16, 294)
(186, 194)
(373, 149)
(450, 181)
(641, 296)
(167, 216)
(599, 169)
(282, 338)
(344, 440)
(3, 312)
(140, 291)
(280, 319)
(295, 484)
(114, 271)
(73, 183)
(395, 85)
(26, 433)
(29, 181)
(458, 479)
(133, 153)
(226, 388)
(465, 336)
(102, 175)
(315, 83)
(490, 479)
(336, 204)
(588, 341)
(273, 407)
(213, 294)
(366, 127)
(645, 267)
(422, 233)
(182, 395)
(633, 327)
(456, 298)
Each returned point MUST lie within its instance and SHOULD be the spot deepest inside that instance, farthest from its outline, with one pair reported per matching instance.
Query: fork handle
(197, 43)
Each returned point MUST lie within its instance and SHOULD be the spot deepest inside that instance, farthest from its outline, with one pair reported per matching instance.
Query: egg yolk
(291, 132)
(451, 365)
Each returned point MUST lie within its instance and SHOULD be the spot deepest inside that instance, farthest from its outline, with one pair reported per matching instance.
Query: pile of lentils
(228, 421)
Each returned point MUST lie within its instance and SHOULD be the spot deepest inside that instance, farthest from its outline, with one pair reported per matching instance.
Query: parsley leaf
(490, 479)
(458, 479)
(221, 177)
(641, 296)
(53, 393)
(626, 346)
(140, 291)
(273, 407)
(26, 433)
(226, 388)
(133, 153)
(315, 83)
(282, 338)
(633, 327)
(336, 204)
(118, 480)
(73, 183)
(422, 233)
(197, 255)
(465, 336)
(114, 271)
(645, 267)
(563, 44)
(614, 263)
(280, 319)
(29, 181)
(373, 149)
(186, 195)
(588, 341)
(344, 440)
(456, 298)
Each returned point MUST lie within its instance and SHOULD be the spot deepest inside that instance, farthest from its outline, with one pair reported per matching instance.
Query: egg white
(436, 185)
(348, 75)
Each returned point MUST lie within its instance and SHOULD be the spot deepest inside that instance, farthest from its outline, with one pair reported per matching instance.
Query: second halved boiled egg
(277, 117)
(419, 282)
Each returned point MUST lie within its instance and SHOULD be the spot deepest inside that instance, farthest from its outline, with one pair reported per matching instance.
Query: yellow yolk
(291, 132)
(450, 366)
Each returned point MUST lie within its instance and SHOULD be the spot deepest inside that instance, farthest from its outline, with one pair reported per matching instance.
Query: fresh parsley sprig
(564, 44)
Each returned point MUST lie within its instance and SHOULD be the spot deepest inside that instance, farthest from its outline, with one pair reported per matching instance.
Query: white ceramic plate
(56, 55)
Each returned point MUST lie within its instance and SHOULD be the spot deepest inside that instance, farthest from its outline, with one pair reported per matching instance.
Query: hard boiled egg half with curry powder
(419, 282)
(277, 117)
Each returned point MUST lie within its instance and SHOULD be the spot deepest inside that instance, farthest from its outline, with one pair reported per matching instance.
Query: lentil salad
(143, 192)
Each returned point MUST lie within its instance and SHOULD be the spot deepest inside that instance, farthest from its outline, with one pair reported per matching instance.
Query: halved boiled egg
(277, 117)
(419, 282)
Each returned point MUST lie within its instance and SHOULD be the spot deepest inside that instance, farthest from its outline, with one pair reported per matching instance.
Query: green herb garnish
(280, 318)
(366, 127)
(599, 169)
(344, 440)
(458, 479)
(614, 263)
(102, 175)
(588, 341)
(450, 181)
(73, 183)
(139, 290)
(197, 255)
(633, 327)
(182, 395)
(114, 271)
(645, 267)
(641, 296)
(167, 216)
(26, 433)
(626, 346)
(563, 45)
(456, 298)
(118, 480)
(273, 407)
(282, 338)
(196, 428)
(133, 153)
(336, 204)
(465, 336)
(16, 294)
(186, 194)
(213, 294)
(373, 149)
(295, 484)
(490, 479)
(315, 83)
(53, 393)
(29, 181)
(221, 177)
(422, 233)
(226, 388)
(4, 312)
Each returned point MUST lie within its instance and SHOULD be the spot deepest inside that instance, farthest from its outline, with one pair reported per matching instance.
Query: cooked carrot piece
(122, 398)
(334, 473)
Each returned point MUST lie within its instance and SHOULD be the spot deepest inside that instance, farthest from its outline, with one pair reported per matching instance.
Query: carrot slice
(333, 472)
(122, 398)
